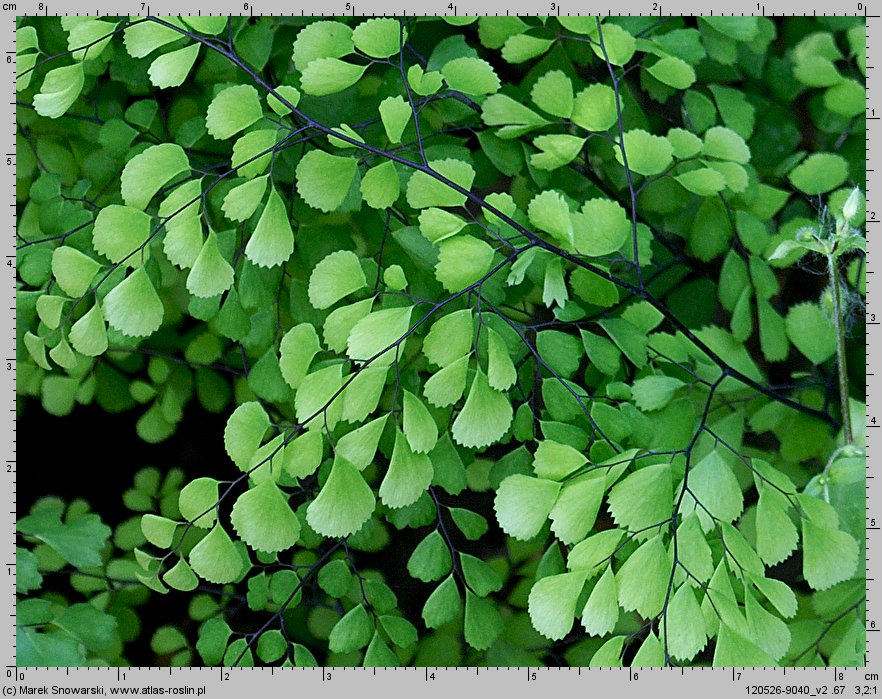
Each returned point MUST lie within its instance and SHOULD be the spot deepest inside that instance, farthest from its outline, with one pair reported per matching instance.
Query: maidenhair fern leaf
(419, 425)
(323, 180)
(439, 224)
(198, 501)
(89, 334)
(317, 402)
(244, 432)
(133, 307)
(242, 201)
(553, 93)
(359, 446)
(303, 455)
(643, 578)
(337, 275)
(430, 560)
(601, 611)
(264, 520)
(471, 76)
(379, 37)
(523, 504)
(297, 349)
(381, 186)
(327, 76)
(322, 39)
(715, 489)
(120, 232)
(147, 172)
(142, 38)
(501, 373)
(443, 604)
(232, 110)
(485, 417)
(351, 632)
(73, 270)
(575, 511)
(60, 89)
(479, 576)
(643, 499)
(482, 622)
(549, 212)
(445, 387)
(395, 112)
(409, 474)
(171, 69)
(181, 577)
(685, 625)
(272, 242)
(830, 556)
(363, 392)
(215, 558)
(211, 274)
(552, 603)
(344, 504)
(378, 336)
(424, 189)
(449, 338)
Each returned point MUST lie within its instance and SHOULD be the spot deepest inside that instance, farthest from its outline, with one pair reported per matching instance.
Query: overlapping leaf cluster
(519, 304)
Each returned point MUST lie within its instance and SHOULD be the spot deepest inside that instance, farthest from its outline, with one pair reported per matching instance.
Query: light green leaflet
(144, 174)
(59, 91)
(323, 180)
(232, 110)
(336, 276)
(272, 242)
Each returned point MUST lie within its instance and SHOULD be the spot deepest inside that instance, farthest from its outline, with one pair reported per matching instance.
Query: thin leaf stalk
(841, 367)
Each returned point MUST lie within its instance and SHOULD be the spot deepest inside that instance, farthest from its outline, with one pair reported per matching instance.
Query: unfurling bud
(826, 302)
(852, 204)
(804, 235)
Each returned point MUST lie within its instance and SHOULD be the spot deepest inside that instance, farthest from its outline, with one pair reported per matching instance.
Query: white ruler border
(439, 682)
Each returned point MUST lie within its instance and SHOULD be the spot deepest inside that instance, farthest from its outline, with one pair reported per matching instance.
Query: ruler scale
(9, 335)
(440, 682)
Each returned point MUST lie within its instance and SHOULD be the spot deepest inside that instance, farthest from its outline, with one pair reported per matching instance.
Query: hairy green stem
(841, 369)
